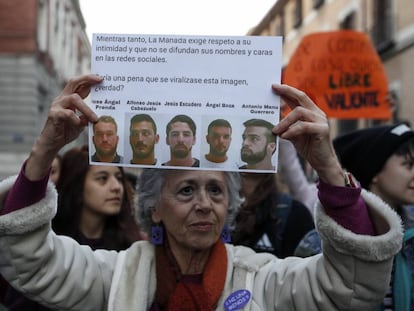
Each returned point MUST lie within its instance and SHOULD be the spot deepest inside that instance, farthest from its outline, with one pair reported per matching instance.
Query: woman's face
(193, 208)
(395, 183)
(103, 190)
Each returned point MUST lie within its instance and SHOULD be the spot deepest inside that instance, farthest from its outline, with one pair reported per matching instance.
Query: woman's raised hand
(306, 126)
(67, 117)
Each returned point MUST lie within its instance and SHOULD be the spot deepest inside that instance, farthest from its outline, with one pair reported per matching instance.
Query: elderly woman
(187, 266)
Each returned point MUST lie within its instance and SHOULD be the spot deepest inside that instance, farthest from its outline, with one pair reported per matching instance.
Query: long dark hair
(120, 230)
(248, 221)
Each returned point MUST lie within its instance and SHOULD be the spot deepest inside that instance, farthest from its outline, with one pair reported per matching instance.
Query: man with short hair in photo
(105, 139)
(142, 138)
(181, 137)
(219, 139)
(259, 145)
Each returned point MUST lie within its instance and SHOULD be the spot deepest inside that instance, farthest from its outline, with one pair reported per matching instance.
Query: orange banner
(342, 72)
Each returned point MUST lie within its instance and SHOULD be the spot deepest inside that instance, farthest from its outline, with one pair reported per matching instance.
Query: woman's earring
(157, 234)
(225, 234)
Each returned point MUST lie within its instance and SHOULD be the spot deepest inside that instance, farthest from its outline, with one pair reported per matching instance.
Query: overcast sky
(186, 17)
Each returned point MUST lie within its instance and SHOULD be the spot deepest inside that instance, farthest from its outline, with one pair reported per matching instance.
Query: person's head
(105, 138)
(219, 137)
(96, 191)
(193, 206)
(257, 189)
(181, 136)
(382, 159)
(142, 138)
(55, 169)
(259, 143)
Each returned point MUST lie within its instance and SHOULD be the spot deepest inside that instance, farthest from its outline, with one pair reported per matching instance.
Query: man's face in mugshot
(219, 139)
(142, 139)
(254, 148)
(105, 138)
(180, 139)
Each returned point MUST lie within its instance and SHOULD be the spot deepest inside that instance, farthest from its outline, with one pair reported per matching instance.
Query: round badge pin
(237, 300)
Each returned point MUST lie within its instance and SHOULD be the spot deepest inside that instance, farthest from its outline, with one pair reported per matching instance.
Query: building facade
(389, 24)
(42, 44)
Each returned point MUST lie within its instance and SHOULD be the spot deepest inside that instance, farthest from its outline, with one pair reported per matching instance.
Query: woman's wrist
(334, 175)
(39, 162)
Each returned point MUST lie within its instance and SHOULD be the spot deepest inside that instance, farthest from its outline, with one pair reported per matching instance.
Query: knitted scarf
(189, 293)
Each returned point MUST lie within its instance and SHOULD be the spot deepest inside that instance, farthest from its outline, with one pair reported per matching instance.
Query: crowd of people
(208, 240)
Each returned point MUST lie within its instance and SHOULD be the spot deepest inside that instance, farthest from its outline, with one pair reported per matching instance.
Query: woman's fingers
(69, 114)
(306, 126)
(81, 85)
(294, 97)
(304, 112)
(73, 94)
(75, 103)
(300, 121)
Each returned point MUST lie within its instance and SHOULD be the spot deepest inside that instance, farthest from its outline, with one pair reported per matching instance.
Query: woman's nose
(116, 184)
(203, 201)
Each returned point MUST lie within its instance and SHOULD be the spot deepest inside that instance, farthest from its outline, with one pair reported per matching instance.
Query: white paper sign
(172, 87)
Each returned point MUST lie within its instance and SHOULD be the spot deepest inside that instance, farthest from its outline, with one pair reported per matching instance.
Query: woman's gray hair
(149, 187)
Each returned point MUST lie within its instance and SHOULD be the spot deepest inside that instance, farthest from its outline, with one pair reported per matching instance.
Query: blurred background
(43, 43)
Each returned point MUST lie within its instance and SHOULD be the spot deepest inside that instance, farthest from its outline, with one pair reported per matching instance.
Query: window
(280, 25)
(57, 17)
(297, 18)
(382, 31)
(41, 99)
(348, 125)
(348, 22)
(317, 3)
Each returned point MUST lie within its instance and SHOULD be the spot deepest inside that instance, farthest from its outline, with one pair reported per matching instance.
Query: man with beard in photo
(105, 139)
(142, 138)
(259, 145)
(181, 137)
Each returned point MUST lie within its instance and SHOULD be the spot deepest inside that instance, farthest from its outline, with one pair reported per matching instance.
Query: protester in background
(382, 159)
(191, 268)
(258, 146)
(105, 139)
(94, 208)
(143, 137)
(55, 169)
(269, 220)
(95, 203)
(181, 137)
(301, 185)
